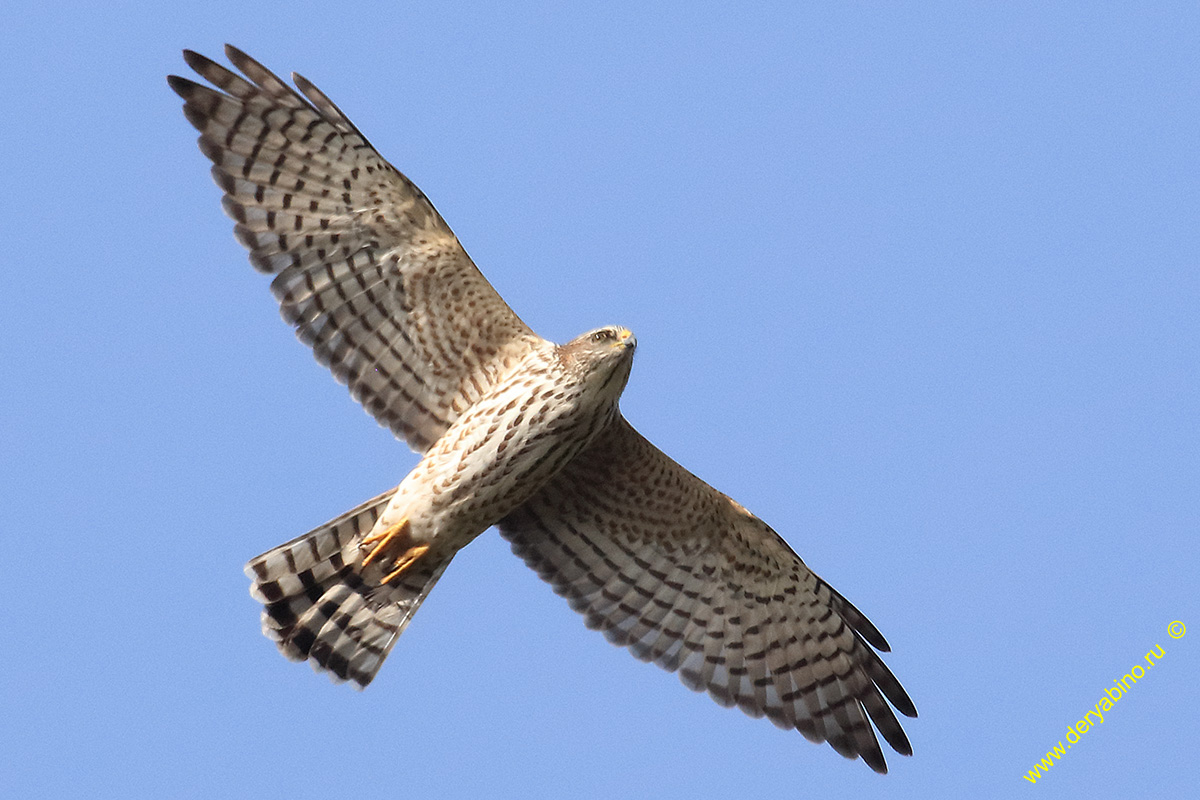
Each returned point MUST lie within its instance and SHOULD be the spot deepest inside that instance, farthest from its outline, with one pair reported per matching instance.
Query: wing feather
(367, 271)
(683, 576)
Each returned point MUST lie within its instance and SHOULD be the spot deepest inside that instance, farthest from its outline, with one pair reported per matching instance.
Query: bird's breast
(497, 454)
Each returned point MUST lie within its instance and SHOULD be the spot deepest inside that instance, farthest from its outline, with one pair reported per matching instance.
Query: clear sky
(915, 282)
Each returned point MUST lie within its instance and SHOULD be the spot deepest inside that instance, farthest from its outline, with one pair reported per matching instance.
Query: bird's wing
(366, 269)
(683, 576)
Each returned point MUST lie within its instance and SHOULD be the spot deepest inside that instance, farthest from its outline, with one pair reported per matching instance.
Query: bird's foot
(397, 544)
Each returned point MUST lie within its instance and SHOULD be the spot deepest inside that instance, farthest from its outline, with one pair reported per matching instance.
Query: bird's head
(604, 355)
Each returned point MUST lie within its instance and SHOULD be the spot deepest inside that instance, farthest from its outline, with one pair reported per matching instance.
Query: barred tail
(320, 606)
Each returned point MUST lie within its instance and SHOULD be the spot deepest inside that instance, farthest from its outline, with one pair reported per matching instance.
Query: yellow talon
(405, 561)
(385, 540)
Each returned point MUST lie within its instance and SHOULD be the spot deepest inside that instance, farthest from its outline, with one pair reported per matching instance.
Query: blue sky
(916, 283)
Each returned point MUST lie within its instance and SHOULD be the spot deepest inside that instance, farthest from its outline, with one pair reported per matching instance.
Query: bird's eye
(603, 336)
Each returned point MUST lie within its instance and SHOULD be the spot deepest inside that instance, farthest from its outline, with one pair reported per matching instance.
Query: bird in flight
(515, 432)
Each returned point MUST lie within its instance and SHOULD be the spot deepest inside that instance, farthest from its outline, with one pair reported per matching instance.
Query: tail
(321, 606)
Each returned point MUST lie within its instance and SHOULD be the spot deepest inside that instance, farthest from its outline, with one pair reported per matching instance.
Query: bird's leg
(384, 538)
(387, 540)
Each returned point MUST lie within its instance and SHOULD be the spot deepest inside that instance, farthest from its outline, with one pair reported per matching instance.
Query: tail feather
(321, 605)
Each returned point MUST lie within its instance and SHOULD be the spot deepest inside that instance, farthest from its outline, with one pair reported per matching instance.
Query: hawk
(515, 432)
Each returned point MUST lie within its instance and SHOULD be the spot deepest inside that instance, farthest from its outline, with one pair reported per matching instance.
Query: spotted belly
(495, 456)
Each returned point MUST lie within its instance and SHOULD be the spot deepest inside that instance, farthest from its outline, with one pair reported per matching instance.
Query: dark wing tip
(327, 107)
(859, 622)
(198, 62)
(248, 65)
(851, 747)
(182, 86)
(901, 744)
(905, 705)
(885, 722)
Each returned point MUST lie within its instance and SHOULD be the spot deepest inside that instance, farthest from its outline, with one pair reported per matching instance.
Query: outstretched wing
(683, 576)
(367, 271)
